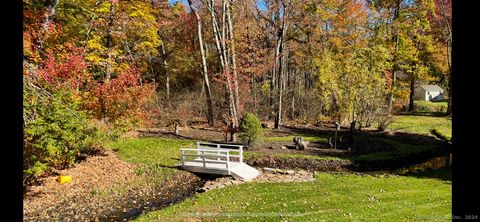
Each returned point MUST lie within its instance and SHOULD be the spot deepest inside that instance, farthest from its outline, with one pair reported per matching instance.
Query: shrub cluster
(56, 132)
(250, 129)
(427, 106)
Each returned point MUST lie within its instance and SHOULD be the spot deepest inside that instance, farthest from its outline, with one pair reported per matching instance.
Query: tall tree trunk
(222, 48)
(204, 66)
(278, 119)
(223, 32)
(233, 58)
(218, 36)
(167, 76)
(274, 79)
(292, 88)
(390, 99)
(412, 95)
(395, 65)
(273, 75)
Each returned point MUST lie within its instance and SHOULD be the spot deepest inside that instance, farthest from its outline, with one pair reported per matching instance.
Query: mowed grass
(331, 197)
(151, 150)
(156, 157)
(444, 173)
(422, 124)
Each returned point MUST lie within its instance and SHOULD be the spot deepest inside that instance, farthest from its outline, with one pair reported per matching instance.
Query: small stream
(180, 193)
(432, 164)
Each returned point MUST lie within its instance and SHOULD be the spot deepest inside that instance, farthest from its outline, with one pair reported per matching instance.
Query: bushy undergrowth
(428, 106)
(250, 129)
(56, 132)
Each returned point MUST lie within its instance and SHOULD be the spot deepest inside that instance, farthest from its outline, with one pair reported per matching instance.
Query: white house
(428, 92)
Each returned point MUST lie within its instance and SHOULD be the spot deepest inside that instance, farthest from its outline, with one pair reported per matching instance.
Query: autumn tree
(441, 23)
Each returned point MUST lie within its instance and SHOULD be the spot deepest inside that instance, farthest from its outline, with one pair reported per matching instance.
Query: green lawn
(332, 197)
(442, 173)
(151, 150)
(156, 156)
(422, 124)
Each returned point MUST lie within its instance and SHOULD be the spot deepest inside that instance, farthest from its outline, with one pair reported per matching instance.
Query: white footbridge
(214, 158)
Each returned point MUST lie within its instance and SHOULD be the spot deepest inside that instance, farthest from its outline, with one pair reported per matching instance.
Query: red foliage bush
(124, 97)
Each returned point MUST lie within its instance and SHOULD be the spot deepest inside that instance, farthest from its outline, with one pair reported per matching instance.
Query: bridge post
(203, 157)
(181, 157)
(228, 162)
(241, 154)
(198, 148)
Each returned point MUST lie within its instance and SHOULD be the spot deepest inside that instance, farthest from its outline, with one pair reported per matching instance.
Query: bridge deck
(210, 167)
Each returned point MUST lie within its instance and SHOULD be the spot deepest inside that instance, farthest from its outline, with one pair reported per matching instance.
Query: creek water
(180, 193)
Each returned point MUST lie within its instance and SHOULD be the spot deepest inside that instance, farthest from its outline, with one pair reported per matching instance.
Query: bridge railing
(205, 156)
(236, 151)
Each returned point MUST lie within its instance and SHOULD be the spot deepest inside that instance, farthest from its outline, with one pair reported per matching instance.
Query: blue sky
(260, 4)
(173, 1)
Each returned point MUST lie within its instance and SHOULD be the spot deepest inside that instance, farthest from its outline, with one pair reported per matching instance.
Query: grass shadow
(444, 173)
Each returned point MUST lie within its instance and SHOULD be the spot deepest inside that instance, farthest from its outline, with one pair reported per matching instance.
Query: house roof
(431, 88)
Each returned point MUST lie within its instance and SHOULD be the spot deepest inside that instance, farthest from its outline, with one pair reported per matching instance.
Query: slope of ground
(332, 197)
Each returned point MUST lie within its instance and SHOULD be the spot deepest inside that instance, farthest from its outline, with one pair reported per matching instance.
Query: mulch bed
(104, 188)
